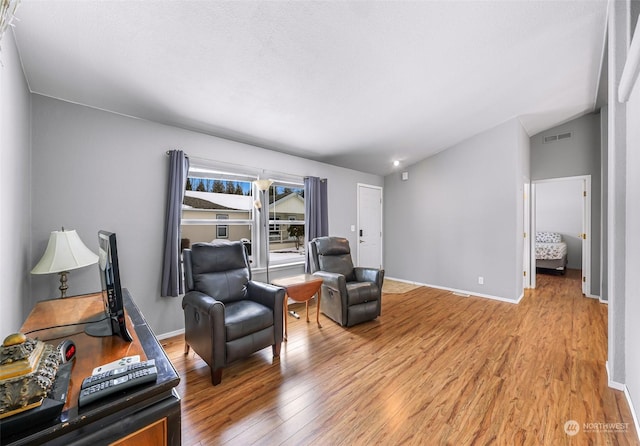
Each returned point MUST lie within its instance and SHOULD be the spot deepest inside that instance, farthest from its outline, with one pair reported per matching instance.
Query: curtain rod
(169, 153)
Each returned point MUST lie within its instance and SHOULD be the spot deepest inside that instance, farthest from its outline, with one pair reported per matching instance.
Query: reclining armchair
(349, 295)
(227, 316)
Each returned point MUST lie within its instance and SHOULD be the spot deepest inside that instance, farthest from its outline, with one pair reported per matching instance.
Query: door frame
(359, 186)
(527, 205)
(586, 229)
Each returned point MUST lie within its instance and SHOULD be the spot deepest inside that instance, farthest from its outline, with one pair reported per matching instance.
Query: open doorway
(560, 226)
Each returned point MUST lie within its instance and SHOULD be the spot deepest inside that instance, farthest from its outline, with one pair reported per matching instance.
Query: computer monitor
(114, 323)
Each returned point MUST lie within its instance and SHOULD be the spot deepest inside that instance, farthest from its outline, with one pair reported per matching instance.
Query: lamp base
(63, 284)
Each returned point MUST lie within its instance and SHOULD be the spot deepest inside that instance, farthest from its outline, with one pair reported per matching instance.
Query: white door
(369, 226)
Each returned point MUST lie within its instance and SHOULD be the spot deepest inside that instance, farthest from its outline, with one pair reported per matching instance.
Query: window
(212, 196)
(286, 240)
(222, 231)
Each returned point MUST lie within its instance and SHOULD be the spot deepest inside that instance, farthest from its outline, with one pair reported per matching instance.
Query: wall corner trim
(631, 68)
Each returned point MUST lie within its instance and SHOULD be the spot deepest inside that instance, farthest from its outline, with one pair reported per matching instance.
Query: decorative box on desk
(148, 415)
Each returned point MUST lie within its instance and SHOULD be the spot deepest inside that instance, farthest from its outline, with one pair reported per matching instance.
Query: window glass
(286, 223)
(214, 196)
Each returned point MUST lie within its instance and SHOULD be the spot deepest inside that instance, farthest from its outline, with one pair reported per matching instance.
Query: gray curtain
(171, 267)
(315, 213)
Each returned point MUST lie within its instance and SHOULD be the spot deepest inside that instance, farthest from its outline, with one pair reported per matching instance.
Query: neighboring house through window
(213, 195)
(286, 203)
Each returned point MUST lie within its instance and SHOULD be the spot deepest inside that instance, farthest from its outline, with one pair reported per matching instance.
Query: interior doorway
(562, 206)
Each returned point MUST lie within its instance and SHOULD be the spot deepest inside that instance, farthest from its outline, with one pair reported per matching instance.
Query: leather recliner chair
(349, 295)
(227, 316)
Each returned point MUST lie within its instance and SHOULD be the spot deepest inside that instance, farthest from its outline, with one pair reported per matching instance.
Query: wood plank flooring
(434, 369)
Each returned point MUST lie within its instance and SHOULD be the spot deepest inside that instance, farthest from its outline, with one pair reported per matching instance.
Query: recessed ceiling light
(396, 163)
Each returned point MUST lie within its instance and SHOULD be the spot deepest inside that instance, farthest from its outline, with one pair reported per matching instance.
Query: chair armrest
(204, 327)
(374, 275)
(333, 280)
(202, 302)
(270, 296)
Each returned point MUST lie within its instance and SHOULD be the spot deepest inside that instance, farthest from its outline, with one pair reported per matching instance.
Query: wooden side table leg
(318, 294)
(284, 314)
(306, 304)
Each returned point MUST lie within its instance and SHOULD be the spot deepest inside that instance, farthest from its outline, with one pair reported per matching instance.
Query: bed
(551, 251)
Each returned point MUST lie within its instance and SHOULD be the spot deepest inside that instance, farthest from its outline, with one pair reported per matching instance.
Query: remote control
(116, 364)
(116, 373)
(112, 386)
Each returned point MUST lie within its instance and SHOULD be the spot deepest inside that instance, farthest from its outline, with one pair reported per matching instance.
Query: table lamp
(64, 253)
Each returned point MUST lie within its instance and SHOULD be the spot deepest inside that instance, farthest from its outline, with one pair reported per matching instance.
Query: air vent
(554, 138)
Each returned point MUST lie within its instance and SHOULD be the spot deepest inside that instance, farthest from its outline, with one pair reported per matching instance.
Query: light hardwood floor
(433, 369)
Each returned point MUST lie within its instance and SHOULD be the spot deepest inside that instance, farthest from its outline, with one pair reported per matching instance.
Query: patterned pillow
(548, 237)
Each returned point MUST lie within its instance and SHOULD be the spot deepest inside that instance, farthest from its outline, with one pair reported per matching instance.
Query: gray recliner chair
(349, 295)
(227, 316)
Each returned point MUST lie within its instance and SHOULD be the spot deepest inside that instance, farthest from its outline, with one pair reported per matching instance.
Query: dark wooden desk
(149, 414)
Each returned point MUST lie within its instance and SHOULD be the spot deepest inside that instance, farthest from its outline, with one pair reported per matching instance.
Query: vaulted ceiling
(352, 83)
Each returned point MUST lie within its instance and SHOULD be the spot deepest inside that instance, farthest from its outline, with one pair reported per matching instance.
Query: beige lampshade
(263, 184)
(64, 252)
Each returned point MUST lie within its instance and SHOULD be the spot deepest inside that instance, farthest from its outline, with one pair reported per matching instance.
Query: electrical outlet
(480, 280)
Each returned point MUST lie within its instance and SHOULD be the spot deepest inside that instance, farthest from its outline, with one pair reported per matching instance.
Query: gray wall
(579, 155)
(15, 212)
(97, 170)
(459, 216)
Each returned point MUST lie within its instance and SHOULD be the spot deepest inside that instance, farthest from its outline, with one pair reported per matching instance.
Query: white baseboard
(410, 282)
(633, 411)
(170, 334)
(458, 291)
(611, 383)
(622, 387)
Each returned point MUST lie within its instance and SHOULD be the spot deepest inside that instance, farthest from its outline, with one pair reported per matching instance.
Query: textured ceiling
(352, 83)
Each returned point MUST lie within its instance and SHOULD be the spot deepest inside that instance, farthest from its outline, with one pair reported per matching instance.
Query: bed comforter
(550, 251)
(549, 246)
